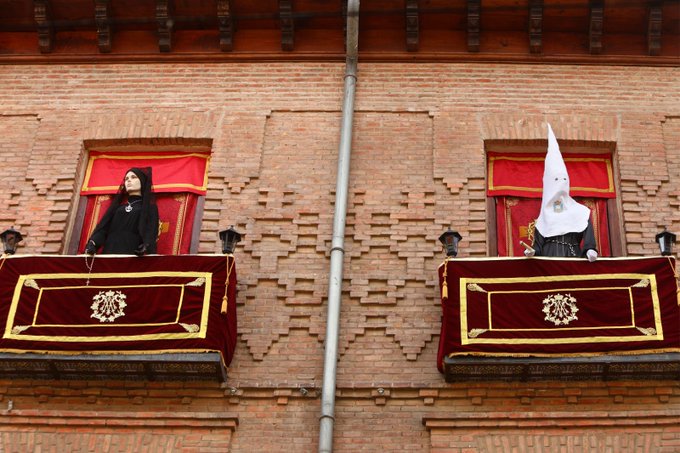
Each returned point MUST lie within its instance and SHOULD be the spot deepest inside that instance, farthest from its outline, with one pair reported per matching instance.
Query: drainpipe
(327, 417)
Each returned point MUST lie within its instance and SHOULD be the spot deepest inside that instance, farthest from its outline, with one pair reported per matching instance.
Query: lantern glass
(10, 240)
(665, 239)
(229, 239)
(450, 240)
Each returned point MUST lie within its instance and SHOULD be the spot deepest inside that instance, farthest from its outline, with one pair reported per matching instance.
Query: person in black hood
(130, 224)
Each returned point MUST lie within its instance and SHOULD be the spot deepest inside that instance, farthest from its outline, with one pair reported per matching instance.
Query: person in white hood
(563, 222)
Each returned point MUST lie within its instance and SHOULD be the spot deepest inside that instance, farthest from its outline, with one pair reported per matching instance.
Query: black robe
(565, 245)
(120, 235)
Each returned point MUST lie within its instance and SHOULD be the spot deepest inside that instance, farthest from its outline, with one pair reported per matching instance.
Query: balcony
(606, 367)
(115, 317)
(518, 319)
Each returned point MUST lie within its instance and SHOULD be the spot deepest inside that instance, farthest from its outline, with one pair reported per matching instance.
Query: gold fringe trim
(452, 355)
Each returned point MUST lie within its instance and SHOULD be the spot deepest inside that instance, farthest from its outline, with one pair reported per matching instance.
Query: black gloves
(91, 248)
(141, 249)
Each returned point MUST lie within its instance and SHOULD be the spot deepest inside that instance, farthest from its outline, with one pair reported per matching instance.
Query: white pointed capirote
(560, 214)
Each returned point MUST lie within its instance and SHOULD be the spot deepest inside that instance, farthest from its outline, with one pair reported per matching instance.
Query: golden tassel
(223, 310)
(671, 261)
(445, 286)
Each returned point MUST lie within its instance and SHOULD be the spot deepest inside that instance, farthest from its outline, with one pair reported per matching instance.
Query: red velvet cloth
(514, 215)
(521, 175)
(172, 171)
(176, 213)
(170, 304)
(515, 307)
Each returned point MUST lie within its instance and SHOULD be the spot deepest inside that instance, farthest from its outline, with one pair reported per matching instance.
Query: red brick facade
(417, 167)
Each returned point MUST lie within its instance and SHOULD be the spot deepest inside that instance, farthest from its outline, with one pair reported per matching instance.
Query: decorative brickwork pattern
(671, 143)
(421, 132)
(82, 431)
(19, 132)
(549, 432)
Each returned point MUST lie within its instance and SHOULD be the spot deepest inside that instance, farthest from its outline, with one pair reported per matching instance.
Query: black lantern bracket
(665, 239)
(10, 240)
(229, 238)
(450, 240)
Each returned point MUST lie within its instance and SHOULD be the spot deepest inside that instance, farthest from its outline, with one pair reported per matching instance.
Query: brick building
(259, 86)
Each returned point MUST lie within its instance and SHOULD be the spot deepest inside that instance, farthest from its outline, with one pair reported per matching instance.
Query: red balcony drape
(121, 305)
(558, 307)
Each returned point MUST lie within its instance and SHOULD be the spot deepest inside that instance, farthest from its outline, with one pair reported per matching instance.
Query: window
(515, 186)
(179, 183)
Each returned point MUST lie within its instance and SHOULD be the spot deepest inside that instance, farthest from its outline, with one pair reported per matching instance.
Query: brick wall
(418, 166)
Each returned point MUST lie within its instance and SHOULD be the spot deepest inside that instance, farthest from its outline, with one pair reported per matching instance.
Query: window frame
(201, 145)
(614, 219)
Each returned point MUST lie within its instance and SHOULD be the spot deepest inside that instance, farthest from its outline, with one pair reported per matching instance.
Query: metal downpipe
(327, 417)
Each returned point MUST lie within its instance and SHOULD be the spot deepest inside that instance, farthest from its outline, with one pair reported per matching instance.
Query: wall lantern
(665, 239)
(229, 240)
(10, 240)
(450, 239)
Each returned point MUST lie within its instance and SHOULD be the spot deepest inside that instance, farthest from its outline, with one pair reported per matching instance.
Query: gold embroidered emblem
(475, 287)
(30, 283)
(474, 333)
(108, 305)
(531, 228)
(649, 331)
(560, 309)
(16, 330)
(192, 328)
(198, 282)
(644, 283)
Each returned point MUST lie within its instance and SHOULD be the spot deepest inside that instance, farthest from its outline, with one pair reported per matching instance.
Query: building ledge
(152, 367)
(606, 367)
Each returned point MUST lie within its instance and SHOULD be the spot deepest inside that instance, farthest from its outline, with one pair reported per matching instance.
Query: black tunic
(121, 234)
(565, 245)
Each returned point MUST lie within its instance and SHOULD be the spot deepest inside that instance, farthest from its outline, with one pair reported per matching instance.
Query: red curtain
(172, 171)
(176, 214)
(515, 218)
(521, 175)
(516, 307)
(176, 304)
(179, 179)
(516, 182)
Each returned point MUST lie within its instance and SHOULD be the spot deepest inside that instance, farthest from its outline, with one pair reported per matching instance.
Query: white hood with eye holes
(560, 214)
